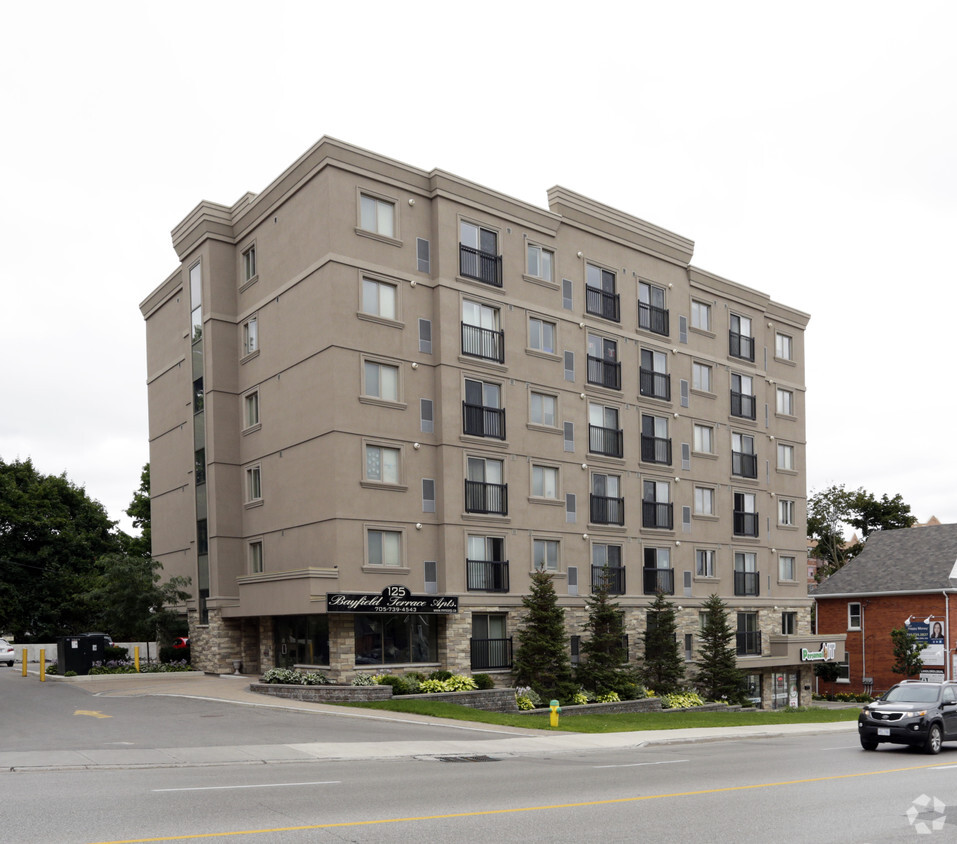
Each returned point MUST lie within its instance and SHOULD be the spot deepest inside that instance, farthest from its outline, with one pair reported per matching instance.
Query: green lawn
(617, 723)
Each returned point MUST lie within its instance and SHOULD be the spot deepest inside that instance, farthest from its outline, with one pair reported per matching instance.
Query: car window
(949, 695)
(913, 693)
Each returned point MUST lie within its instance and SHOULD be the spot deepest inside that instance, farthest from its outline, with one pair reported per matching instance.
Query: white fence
(50, 651)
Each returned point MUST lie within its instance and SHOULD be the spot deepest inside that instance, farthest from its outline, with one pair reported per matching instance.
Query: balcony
(657, 515)
(748, 642)
(483, 343)
(659, 580)
(490, 653)
(653, 319)
(481, 497)
(747, 583)
(744, 464)
(603, 304)
(607, 511)
(742, 405)
(482, 266)
(655, 450)
(479, 421)
(607, 441)
(613, 577)
(486, 575)
(656, 385)
(745, 524)
(741, 346)
(604, 373)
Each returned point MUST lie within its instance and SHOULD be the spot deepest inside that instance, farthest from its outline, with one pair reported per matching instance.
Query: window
(604, 435)
(481, 334)
(607, 504)
(601, 297)
(703, 439)
(746, 578)
(382, 381)
(249, 264)
(789, 623)
(786, 457)
(382, 464)
(701, 377)
(478, 254)
(541, 335)
(745, 516)
(657, 574)
(541, 262)
(603, 366)
(655, 443)
(545, 482)
(742, 396)
(377, 215)
(703, 501)
(254, 490)
(378, 298)
(783, 347)
(652, 314)
(853, 616)
(482, 411)
(744, 461)
(786, 568)
(656, 508)
(785, 512)
(704, 562)
(256, 557)
(489, 646)
(196, 301)
(251, 410)
(545, 554)
(543, 409)
(844, 670)
(785, 405)
(485, 490)
(606, 568)
(385, 548)
(486, 566)
(654, 380)
(700, 315)
(741, 343)
(385, 640)
(250, 336)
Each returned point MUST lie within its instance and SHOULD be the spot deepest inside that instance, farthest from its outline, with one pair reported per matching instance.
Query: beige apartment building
(380, 397)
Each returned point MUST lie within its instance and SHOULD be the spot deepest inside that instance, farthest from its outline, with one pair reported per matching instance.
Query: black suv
(913, 712)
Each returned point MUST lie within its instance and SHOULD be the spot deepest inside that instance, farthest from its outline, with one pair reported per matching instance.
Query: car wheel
(934, 739)
(10, 664)
(868, 745)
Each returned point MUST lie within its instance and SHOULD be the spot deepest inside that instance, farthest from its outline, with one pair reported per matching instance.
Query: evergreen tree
(604, 667)
(718, 675)
(664, 667)
(907, 650)
(541, 660)
(139, 512)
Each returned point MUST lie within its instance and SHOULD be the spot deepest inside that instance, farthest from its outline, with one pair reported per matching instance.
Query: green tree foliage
(603, 666)
(664, 668)
(541, 660)
(907, 651)
(718, 676)
(139, 512)
(830, 511)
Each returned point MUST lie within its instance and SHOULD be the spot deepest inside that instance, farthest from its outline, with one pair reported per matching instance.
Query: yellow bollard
(555, 708)
(24, 662)
(136, 657)
(43, 665)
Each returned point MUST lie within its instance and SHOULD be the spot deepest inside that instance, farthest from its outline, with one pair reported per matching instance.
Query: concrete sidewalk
(498, 741)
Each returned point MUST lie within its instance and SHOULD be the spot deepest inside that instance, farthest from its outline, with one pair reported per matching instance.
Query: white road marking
(262, 785)
(639, 764)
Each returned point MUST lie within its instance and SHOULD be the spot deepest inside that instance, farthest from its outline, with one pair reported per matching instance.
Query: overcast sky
(807, 148)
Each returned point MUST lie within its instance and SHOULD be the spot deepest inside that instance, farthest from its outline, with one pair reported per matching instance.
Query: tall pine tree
(664, 668)
(718, 676)
(604, 667)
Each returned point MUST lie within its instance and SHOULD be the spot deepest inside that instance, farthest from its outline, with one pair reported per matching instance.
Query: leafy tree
(832, 509)
(664, 667)
(718, 676)
(139, 512)
(541, 660)
(604, 667)
(907, 650)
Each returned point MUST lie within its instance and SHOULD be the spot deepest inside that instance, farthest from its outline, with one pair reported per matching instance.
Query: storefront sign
(824, 652)
(392, 599)
(930, 635)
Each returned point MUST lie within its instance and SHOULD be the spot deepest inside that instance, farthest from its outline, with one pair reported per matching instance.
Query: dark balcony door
(601, 298)
(482, 413)
(655, 443)
(748, 636)
(490, 653)
(478, 255)
(741, 346)
(743, 464)
(747, 583)
(487, 575)
(659, 580)
(612, 576)
(743, 405)
(607, 441)
(606, 510)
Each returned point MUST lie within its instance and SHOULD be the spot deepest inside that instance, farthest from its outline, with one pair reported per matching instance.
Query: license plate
(883, 731)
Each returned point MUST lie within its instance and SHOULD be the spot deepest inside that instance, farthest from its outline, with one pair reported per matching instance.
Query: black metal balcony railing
(744, 464)
(607, 511)
(604, 373)
(655, 450)
(607, 441)
(741, 346)
(742, 405)
(603, 304)
(747, 583)
(659, 580)
(656, 385)
(745, 524)
(614, 577)
(483, 342)
(481, 497)
(482, 266)
(657, 515)
(486, 575)
(652, 318)
(480, 421)
(748, 642)
(491, 653)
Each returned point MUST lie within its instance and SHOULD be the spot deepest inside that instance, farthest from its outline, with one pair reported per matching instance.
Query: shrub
(288, 676)
(681, 700)
(579, 698)
(168, 653)
(453, 683)
(440, 675)
(400, 685)
(115, 652)
(524, 702)
(483, 681)
(608, 697)
(527, 698)
(364, 680)
(70, 674)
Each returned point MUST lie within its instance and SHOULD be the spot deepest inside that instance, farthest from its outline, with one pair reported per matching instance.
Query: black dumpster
(78, 653)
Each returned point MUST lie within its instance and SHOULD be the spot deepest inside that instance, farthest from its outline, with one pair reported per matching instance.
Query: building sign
(930, 635)
(824, 652)
(392, 599)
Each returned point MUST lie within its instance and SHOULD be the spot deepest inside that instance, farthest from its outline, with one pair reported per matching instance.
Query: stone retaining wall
(489, 700)
(322, 694)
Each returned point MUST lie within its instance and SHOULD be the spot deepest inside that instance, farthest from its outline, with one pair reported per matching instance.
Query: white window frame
(699, 439)
(851, 615)
(783, 573)
(704, 501)
(545, 479)
(785, 402)
(380, 366)
(255, 556)
(251, 417)
(538, 339)
(545, 260)
(786, 457)
(540, 551)
(254, 484)
(396, 540)
(387, 466)
(384, 225)
(704, 562)
(366, 288)
(700, 315)
(697, 371)
(786, 512)
(250, 336)
(783, 346)
(536, 397)
(250, 270)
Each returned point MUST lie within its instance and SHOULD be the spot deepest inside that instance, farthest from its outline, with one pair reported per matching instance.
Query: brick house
(902, 577)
